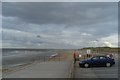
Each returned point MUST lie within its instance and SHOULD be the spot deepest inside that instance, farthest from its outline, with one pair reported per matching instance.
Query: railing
(72, 66)
(48, 58)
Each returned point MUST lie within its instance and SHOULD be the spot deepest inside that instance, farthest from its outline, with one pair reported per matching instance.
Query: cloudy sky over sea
(59, 25)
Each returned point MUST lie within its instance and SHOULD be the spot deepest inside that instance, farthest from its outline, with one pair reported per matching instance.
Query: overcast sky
(59, 25)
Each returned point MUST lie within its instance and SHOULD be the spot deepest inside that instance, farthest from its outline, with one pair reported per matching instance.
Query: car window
(101, 57)
(95, 58)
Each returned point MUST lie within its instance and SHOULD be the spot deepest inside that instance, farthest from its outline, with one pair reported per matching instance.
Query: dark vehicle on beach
(97, 61)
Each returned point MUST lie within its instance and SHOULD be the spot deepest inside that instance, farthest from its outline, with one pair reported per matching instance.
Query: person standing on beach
(74, 57)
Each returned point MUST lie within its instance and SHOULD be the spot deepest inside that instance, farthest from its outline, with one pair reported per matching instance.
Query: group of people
(110, 55)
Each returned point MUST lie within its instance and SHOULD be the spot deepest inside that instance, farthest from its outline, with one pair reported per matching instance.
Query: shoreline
(5, 71)
(61, 57)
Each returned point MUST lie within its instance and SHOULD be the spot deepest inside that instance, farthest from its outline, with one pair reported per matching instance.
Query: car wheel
(108, 64)
(86, 65)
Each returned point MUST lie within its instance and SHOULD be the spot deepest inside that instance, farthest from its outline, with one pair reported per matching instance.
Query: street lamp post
(94, 46)
(98, 51)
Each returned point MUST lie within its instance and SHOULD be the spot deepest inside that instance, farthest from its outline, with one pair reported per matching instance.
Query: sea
(16, 57)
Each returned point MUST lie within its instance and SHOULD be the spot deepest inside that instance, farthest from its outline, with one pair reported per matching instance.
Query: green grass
(103, 49)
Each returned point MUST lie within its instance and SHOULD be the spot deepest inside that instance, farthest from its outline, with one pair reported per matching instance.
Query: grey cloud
(20, 37)
(69, 14)
(61, 13)
(0, 8)
(59, 25)
(98, 30)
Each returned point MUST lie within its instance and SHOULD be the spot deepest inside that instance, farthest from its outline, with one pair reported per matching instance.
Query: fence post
(39, 58)
(44, 58)
(59, 58)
